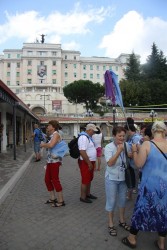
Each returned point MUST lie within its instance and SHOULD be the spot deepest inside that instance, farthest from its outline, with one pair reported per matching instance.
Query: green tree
(155, 67)
(132, 71)
(84, 91)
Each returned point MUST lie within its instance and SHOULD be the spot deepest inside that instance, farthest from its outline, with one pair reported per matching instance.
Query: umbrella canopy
(112, 89)
(109, 88)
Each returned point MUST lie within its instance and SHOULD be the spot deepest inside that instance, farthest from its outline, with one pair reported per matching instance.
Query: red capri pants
(86, 173)
(52, 177)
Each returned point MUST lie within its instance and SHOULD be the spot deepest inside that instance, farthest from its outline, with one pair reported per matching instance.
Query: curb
(12, 182)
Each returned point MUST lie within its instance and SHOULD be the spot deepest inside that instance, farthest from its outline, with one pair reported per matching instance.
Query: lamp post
(152, 115)
(89, 112)
(113, 112)
(44, 98)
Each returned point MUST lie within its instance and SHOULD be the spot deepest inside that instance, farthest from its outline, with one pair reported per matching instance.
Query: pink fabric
(99, 151)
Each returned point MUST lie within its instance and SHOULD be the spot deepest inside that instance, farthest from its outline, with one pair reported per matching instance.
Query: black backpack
(73, 147)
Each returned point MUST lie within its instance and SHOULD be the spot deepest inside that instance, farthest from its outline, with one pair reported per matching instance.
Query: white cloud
(134, 33)
(71, 46)
(29, 25)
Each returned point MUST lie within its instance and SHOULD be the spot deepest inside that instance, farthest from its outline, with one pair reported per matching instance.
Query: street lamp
(89, 112)
(153, 114)
(44, 98)
(113, 112)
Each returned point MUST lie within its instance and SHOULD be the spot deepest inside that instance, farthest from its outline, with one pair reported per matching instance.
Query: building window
(18, 55)
(75, 66)
(75, 74)
(41, 63)
(97, 67)
(84, 66)
(17, 82)
(66, 74)
(91, 67)
(66, 66)
(29, 72)
(42, 53)
(54, 81)
(8, 73)
(29, 81)
(66, 83)
(116, 68)
(8, 83)
(8, 55)
(84, 75)
(54, 63)
(98, 76)
(91, 76)
(53, 72)
(110, 67)
(18, 65)
(29, 53)
(8, 65)
(54, 53)
(75, 58)
(17, 74)
(104, 67)
(65, 56)
(29, 63)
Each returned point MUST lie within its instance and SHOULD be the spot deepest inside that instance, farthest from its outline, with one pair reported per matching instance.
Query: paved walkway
(26, 223)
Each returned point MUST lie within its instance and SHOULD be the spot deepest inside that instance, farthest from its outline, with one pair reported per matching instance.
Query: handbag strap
(126, 155)
(159, 150)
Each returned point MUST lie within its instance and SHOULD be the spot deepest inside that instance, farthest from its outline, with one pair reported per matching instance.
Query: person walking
(97, 138)
(86, 162)
(52, 180)
(133, 138)
(37, 142)
(150, 211)
(115, 186)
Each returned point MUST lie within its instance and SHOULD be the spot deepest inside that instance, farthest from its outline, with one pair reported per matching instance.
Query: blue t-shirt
(36, 133)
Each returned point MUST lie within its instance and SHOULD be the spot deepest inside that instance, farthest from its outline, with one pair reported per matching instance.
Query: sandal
(124, 225)
(157, 245)
(58, 204)
(112, 231)
(50, 201)
(127, 243)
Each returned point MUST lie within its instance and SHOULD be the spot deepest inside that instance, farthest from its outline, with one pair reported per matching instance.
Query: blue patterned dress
(150, 212)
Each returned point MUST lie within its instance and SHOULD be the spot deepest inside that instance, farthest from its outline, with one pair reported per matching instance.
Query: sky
(104, 28)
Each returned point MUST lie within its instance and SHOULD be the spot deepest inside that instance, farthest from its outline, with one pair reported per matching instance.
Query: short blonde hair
(159, 126)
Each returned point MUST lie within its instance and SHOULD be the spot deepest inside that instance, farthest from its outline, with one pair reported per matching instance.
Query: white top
(115, 172)
(86, 144)
(97, 138)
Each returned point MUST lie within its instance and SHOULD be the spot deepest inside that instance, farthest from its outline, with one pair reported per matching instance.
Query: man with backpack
(37, 141)
(86, 162)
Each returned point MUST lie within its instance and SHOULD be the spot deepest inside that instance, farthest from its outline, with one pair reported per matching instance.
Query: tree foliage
(84, 91)
(145, 84)
(132, 71)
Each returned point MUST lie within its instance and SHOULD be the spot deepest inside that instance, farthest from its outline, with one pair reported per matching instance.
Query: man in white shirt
(87, 162)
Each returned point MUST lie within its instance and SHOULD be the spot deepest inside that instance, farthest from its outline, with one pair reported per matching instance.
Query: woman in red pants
(53, 164)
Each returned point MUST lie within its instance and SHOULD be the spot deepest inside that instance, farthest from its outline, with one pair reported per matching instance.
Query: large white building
(38, 72)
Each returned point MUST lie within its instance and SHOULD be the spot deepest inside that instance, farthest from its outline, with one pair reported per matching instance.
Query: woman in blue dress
(150, 211)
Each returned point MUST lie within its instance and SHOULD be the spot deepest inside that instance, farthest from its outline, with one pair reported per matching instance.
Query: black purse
(130, 178)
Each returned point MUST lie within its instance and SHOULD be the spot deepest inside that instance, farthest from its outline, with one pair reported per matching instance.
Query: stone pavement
(26, 223)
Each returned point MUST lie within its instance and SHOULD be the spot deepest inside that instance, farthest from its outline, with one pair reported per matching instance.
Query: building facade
(38, 72)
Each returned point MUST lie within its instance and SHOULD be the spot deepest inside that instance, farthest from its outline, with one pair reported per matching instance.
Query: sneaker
(91, 196)
(86, 200)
